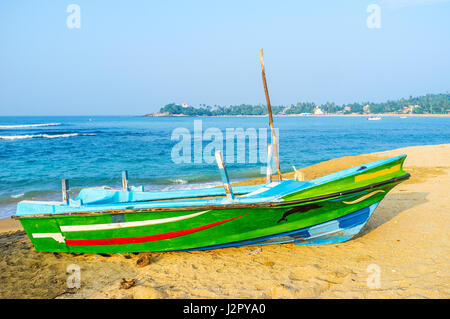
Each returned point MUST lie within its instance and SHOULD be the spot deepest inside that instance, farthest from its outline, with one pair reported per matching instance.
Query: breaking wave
(179, 181)
(23, 137)
(5, 127)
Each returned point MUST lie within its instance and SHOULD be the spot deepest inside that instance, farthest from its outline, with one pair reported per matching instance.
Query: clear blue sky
(132, 57)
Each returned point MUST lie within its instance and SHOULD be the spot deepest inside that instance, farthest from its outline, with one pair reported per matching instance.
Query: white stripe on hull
(128, 224)
(56, 236)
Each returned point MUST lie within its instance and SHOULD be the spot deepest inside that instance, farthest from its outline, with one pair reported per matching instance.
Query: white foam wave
(17, 195)
(178, 181)
(22, 137)
(27, 125)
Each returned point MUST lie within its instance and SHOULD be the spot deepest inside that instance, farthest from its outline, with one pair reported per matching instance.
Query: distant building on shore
(409, 108)
(285, 110)
(318, 111)
(184, 105)
(366, 108)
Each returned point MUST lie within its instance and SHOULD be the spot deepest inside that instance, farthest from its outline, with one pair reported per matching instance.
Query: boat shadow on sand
(393, 205)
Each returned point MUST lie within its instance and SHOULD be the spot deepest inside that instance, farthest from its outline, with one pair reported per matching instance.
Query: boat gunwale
(217, 207)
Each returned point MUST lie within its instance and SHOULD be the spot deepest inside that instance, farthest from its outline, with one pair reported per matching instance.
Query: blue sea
(37, 152)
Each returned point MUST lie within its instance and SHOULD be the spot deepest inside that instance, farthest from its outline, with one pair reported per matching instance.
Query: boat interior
(103, 198)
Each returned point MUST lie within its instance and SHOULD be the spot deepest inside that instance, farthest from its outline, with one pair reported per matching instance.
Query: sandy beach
(407, 239)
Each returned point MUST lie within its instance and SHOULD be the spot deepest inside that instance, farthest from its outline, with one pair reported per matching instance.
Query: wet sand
(407, 240)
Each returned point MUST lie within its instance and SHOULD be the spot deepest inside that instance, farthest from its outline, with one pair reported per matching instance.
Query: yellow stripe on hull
(364, 197)
(386, 171)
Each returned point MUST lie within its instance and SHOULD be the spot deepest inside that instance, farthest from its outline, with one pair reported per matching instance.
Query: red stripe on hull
(143, 239)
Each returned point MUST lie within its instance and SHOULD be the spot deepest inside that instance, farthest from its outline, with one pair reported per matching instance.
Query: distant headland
(428, 105)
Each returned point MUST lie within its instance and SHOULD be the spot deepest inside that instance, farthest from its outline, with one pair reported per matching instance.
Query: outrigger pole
(269, 108)
(224, 175)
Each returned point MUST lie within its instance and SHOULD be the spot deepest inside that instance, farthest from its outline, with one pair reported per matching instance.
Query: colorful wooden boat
(329, 209)
(325, 210)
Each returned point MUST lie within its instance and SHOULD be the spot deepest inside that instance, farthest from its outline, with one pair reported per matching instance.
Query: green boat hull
(325, 206)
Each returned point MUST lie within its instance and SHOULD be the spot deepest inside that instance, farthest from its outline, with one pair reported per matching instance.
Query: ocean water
(37, 152)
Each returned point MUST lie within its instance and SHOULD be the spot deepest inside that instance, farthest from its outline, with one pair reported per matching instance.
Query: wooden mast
(269, 108)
